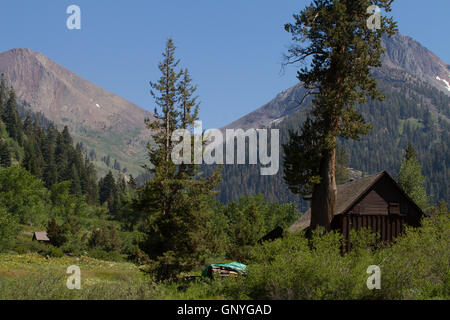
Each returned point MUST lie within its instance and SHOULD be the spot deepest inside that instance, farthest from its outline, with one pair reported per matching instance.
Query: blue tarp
(234, 266)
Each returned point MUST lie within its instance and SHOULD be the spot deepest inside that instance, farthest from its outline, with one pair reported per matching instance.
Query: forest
(48, 182)
(153, 238)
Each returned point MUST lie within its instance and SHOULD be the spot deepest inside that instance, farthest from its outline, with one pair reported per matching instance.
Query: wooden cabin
(375, 202)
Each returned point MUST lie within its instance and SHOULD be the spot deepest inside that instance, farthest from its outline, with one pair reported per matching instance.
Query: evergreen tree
(75, 187)
(92, 196)
(3, 95)
(47, 154)
(56, 233)
(411, 180)
(50, 174)
(62, 159)
(174, 200)
(107, 188)
(11, 118)
(342, 50)
(31, 158)
(5, 156)
(410, 152)
(28, 125)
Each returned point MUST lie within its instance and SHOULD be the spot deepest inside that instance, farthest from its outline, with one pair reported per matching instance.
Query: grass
(31, 276)
(416, 266)
(414, 123)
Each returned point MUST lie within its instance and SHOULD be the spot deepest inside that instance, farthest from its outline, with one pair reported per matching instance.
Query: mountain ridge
(399, 57)
(416, 110)
(103, 121)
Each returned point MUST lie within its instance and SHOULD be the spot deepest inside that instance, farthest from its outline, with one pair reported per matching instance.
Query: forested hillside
(48, 183)
(111, 128)
(412, 112)
(48, 154)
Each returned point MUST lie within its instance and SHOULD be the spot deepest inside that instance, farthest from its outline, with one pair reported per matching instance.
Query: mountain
(403, 57)
(101, 120)
(406, 54)
(416, 110)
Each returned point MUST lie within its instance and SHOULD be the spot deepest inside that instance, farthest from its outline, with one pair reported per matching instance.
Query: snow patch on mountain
(276, 121)
(445, 81)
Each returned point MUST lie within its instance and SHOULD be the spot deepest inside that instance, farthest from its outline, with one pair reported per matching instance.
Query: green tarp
(235, 266)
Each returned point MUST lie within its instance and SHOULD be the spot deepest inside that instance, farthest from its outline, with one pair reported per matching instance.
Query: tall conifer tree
(174, 200)
(411, 180)
(5, 155)
(3, 95)
(332, 39)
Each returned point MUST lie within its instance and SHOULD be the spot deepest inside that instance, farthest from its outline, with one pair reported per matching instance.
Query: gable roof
(41, 236)
(347, 195)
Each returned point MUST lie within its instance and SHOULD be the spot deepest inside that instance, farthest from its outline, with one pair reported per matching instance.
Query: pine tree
(410, 152)
(333, 36)
(174, 200)
(5, 156)
(411, 180)
(62, 159)
(3, 95)
(56, 233)
(108, 192)
(48, 149)
(31, 158)
(75, 187)
(188, 100)
(28, 125)
(11, 118)
(92, 196)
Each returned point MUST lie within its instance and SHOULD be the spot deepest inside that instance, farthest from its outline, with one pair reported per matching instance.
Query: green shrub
(9, 230)
(23, 195)
(106, 238)
(31, 247)
(100, 254)
(75, 244)
(54, 252)
(417, 266)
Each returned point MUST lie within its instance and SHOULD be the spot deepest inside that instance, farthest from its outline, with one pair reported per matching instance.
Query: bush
(23, 247)
(250, 219)
(23, 195)
(75, 244)
(56, 233)
(106, 238)
(9, 229)
(55, 252)
(417, 266)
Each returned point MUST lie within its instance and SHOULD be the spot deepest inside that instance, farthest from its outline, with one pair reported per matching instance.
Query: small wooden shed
(375, 202)
(40, 237)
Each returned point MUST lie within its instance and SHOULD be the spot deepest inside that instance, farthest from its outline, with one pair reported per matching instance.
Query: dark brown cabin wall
(376, 202)
(378, 199)
(387, 227)
(391, 194)
(373, 204)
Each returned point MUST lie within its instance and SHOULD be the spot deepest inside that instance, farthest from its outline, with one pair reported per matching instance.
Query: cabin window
(394, 208)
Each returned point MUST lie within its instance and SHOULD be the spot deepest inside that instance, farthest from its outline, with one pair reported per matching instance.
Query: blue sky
(233, 48)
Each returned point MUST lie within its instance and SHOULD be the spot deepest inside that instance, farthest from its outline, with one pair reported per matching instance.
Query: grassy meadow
(416, 266)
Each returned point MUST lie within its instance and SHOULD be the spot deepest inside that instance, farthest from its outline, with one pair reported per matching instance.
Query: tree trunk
(324, 197)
